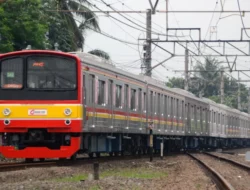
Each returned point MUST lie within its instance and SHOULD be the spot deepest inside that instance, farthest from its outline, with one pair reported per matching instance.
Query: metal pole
(239, 100)
(96, 171)
(148, 50)
(186, 69)
(162, 147)
(222, 88)
(151, 144)
(167, 19)
(249, 101)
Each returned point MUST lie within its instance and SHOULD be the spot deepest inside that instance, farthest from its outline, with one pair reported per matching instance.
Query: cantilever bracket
(153, 6)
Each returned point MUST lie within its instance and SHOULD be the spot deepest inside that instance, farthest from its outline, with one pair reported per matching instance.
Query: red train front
(40, 104)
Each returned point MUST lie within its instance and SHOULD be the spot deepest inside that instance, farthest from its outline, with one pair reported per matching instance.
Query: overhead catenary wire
(243, 24)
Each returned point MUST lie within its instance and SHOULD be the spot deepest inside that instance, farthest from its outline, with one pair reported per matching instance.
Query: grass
(137, 173)
(134, 173)
(96, 187)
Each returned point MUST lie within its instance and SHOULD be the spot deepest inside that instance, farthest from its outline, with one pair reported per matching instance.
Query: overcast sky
(128, 57)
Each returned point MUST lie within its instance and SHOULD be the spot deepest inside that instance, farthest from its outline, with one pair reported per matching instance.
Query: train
(58, 105)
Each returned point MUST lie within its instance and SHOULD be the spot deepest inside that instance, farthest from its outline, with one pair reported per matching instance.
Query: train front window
(12, 73)
(51, 73)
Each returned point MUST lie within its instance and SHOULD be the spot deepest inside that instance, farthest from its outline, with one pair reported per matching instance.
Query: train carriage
(40, 104)
(55, 105)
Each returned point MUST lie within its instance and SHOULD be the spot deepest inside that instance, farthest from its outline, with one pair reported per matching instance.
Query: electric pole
(249, 101)
(147, 55)
(222, 88)
(186, 69)
(239, 100)
(167, 18)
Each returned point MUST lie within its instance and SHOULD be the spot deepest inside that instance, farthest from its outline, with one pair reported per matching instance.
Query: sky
(129, 57)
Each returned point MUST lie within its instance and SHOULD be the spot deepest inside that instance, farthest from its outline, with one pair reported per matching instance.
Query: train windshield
(12, 73)
(51, 73)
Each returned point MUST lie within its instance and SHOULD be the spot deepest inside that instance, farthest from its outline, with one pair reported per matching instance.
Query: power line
(143, 27)
(244, 28)
(158, 11)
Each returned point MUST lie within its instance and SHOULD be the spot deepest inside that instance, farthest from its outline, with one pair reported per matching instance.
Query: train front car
(40, 104)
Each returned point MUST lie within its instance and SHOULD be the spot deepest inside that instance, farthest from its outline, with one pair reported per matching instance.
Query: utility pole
(249, 101)
(186, 69)
(239, 101)
(147, 56)
(222, 88)
(167, 18)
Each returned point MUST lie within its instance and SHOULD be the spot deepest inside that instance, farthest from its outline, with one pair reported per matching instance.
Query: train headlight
(6, 111)
(67, 111)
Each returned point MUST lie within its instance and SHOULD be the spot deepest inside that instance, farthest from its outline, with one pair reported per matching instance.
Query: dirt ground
(176, 172)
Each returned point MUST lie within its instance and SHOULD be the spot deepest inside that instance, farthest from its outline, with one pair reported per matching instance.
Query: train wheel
(98, 154)
(29, 160)
(116, 153)
(41, 159)
(91, 155)
(111, 154)
(73, 157)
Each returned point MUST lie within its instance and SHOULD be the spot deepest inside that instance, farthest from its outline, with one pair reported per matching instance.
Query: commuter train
(56, 105)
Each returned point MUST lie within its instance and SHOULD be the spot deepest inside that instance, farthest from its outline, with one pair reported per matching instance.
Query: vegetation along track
(217, 178)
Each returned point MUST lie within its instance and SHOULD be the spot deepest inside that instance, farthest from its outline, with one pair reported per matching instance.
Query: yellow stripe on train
(30, 111)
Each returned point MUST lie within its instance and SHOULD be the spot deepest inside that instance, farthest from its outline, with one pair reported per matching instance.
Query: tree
(175, 82)
(100, 53)
(22, 24)
(208, 83)
(64, 28)
(208, 77)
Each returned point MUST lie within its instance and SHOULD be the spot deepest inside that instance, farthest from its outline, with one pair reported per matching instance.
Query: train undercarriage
(38, 143)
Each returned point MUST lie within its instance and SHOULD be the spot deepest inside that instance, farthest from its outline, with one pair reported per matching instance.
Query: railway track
(80, 161)
(217, 178)
(237, 164)
(23, 165)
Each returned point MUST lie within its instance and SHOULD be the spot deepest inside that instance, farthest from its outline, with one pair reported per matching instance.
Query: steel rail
(219, 180)
(239, 165)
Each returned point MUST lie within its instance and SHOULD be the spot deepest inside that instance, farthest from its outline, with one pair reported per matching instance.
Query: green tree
(208, 84)
(100, 53)
(22, 24)
(175, 82)
(64, 28)
(208, 77)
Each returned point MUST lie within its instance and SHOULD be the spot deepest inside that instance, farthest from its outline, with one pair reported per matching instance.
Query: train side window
(182, 110)
(177, 109)
(166, 106)
(140, 100)
(171, 107)
(110, 92)
(151, 102)
(144, 101)
(118, 94)
(126, 96)
(92, 89)
(159, 103)
(132, 99)
(101, 87)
